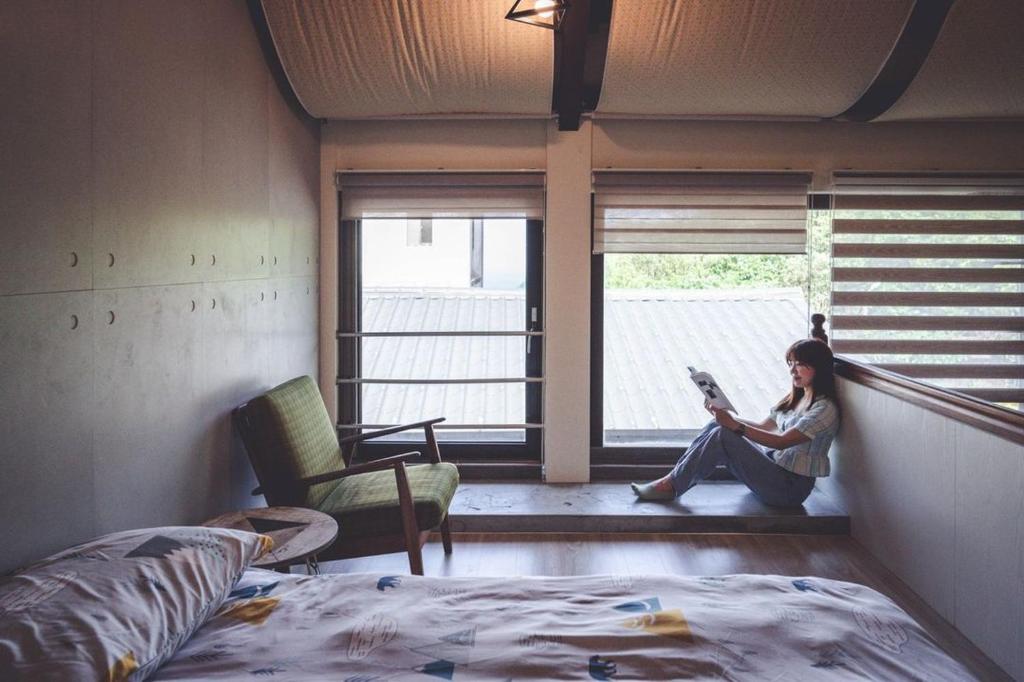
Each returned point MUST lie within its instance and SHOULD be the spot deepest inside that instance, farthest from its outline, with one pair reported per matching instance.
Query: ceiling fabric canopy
(760, 59)
(700, 212)
(348, 59)
(441, 195)
(974, 70)
(787, 58)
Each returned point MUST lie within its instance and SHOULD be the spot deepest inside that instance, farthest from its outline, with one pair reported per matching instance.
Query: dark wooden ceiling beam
(273, 61)
(903, 63)
(581, 45)
(570, 50)
(599, 25)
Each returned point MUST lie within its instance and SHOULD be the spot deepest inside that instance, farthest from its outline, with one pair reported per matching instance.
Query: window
(733, 316)
(928, 279)
(692, 269)
(440, 310)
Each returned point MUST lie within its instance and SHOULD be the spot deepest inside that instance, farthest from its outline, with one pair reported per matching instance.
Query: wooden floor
(828, 556)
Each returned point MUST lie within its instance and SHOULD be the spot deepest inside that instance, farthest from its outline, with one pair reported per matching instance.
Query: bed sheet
(371, 627)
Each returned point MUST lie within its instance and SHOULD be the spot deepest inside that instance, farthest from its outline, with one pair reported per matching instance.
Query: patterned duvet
(362, 628)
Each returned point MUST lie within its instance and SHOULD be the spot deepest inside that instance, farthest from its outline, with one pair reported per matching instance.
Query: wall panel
(46, 423)
(147, 463)
(148, 133)
(235, 356)
(153, 131)
(294, 196)
(235, 226)
(989, 544)
(46, 207)
(940, 504)
(899, 457)
(291, 324)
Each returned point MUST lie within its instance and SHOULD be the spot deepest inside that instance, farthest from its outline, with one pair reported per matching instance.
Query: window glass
(444, 300)
(416, 288)
(730, 315)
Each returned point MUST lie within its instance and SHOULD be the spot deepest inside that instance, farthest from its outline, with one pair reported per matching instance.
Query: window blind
(700, 212)
(928, 278)
(441, 195)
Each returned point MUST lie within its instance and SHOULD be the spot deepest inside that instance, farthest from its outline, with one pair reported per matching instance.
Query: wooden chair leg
(415, 559)
(446, 536)
(412, 533)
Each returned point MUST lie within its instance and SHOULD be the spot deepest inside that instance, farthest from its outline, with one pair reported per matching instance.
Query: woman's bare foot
(655, 490)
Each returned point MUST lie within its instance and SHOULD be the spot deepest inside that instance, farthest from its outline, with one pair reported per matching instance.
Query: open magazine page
(711, 390)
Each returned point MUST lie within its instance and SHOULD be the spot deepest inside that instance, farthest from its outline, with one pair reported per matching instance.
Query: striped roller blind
(700, 212)
(441, 195)
(928, 278)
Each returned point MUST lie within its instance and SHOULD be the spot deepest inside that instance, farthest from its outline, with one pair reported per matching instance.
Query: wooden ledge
(1001, 421)
(710, 507)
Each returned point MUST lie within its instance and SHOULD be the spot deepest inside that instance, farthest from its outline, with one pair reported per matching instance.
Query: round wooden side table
(299, 534)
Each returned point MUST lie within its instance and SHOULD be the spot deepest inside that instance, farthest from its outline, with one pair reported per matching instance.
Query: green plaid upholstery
(367, 504)
(308, 439)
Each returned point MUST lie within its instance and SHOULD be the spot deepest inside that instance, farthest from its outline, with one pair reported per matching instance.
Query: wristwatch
(742, 430)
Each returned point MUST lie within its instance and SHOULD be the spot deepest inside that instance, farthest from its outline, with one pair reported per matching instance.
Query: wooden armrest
(350, 443)
(359, 437)
(376, 465)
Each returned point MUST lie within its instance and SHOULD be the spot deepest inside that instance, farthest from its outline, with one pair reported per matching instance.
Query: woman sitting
(778, 458)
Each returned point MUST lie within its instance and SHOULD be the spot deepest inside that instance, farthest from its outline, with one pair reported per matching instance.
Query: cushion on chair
(367, 504)
(308, 437)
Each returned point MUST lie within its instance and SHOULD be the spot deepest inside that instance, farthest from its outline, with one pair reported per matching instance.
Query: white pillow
(116, 607)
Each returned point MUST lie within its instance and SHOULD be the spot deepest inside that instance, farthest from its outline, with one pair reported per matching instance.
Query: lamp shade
(543, 13)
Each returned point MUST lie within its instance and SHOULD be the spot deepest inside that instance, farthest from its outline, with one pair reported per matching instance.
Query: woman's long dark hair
(818, 355)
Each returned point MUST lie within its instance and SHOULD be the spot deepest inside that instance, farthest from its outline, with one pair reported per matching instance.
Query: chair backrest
(289, 435)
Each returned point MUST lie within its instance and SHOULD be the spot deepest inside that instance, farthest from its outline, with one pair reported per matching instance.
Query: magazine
(711, 390)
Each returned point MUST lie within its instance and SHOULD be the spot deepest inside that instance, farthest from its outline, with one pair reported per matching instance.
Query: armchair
(381, 506)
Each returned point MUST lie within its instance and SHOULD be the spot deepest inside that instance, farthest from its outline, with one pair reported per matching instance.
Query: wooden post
(818, 328)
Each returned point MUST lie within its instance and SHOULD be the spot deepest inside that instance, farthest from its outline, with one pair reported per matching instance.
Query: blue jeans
(748, 462)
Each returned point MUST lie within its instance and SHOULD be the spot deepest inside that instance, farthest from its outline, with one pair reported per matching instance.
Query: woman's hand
(723, 417)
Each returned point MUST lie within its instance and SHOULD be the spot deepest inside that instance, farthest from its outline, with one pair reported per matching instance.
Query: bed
(388, 627)
(370, 627)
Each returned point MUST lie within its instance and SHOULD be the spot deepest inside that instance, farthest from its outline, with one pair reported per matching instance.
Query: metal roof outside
(651, 336)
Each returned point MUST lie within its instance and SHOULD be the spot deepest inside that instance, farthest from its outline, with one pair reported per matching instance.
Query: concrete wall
(820, 147)
(493, 145)
(941, 504)
(158, 262)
